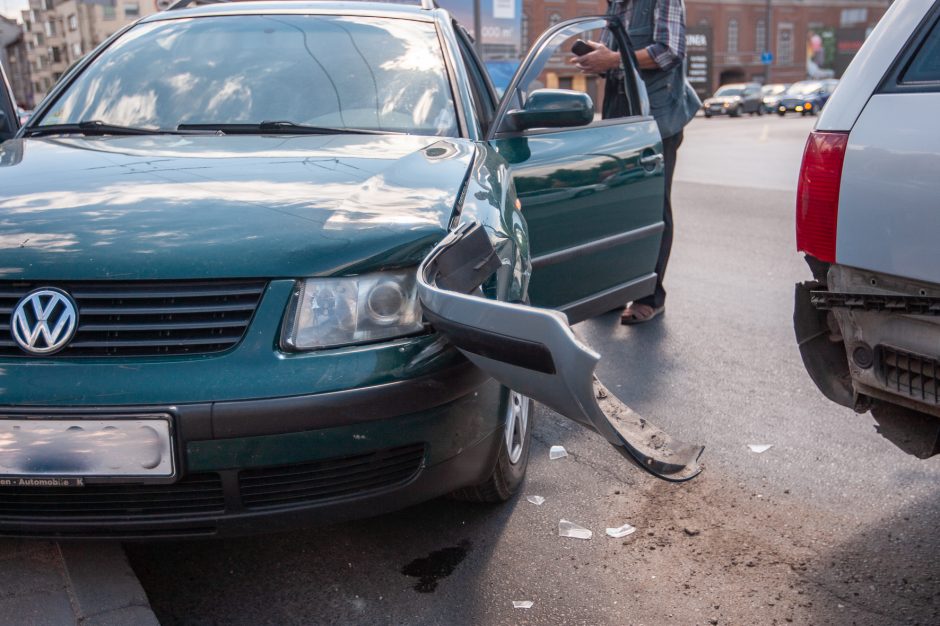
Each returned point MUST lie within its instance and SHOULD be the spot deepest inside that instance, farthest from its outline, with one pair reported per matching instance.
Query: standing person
(656, 29)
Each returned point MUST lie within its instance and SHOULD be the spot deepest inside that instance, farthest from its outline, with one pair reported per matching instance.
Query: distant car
(868, 325)
(770, 95)
(735, 99)
(24, 115)
(806, 97)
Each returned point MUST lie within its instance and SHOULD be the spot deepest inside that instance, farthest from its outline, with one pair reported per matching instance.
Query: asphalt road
(832, 525)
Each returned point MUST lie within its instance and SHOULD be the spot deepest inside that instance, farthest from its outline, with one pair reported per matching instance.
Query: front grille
(911, 374)
(326, 480)
(146, 318)
(193, 495)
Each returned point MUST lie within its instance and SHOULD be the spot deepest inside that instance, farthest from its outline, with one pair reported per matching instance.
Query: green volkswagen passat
(210, 319)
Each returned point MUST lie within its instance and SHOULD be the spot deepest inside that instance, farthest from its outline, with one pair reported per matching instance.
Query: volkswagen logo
(44, 321)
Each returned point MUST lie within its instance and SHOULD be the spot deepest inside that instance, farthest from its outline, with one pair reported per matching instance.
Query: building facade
(805, 38)
(60, 32)
(14, 61)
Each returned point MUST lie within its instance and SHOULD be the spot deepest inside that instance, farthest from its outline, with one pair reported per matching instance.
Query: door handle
(651, 161)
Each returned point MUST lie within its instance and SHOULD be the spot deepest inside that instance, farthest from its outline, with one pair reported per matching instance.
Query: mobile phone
(581, 47)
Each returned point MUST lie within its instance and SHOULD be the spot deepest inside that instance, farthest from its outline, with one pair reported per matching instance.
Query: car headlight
(331, 312)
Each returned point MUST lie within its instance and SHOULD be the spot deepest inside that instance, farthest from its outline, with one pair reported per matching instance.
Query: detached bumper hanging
(534, 352)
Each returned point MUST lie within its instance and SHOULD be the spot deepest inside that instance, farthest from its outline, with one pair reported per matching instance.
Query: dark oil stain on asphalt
(439, 564)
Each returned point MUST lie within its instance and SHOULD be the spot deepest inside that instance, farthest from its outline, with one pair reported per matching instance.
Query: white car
(868, 221)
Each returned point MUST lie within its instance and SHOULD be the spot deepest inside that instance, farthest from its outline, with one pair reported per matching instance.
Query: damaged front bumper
(534, 352)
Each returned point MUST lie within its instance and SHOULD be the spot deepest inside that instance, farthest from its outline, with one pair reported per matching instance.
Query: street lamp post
(767, 45)
(478, 27)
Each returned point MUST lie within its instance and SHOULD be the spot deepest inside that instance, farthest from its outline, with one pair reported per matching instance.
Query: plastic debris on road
(522, 604)
(557, 452)
(570, 529)
(760, 447)
(623, 531)
(536, 500)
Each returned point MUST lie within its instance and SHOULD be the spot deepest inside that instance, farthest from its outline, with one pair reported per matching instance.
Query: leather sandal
(633, 316)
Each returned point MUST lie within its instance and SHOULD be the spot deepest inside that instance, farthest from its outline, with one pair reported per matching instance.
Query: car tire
(708, 115)
(781, 113)
(736, 112)
(760, 112)
(513, 458)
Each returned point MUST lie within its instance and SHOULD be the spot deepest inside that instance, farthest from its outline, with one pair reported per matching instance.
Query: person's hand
(598, 61)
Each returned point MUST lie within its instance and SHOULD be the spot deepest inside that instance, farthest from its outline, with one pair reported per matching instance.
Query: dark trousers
(670, 148)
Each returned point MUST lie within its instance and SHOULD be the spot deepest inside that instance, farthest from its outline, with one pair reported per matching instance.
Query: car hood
(175, 207)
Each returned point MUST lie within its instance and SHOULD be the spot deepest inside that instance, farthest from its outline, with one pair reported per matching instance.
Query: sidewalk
(88, 584)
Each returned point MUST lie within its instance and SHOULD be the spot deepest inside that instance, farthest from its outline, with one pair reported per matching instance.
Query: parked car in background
(806, 97)
(867, 220)
(770, 95)
(9, 120)
(735, 99)
(211, 319)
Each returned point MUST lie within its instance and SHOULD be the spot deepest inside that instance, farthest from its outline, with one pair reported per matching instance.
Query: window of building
(50, 28)
(853, 17)
(785, 44)
(732, 36)
(109, 12)
(73, 22)
(56, 55)
(131, 10)
(553, 19)
(760, 36)
(77, 50)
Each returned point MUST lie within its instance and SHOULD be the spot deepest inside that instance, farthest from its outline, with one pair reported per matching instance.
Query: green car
(211, 315)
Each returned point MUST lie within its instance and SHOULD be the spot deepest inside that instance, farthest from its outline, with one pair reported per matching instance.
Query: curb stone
(43, 583)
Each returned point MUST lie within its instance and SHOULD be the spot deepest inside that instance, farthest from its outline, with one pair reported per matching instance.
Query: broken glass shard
(760, 447)
(536, 500)
(623, 531)
(570, 529)
(557, 452)
(522, 604)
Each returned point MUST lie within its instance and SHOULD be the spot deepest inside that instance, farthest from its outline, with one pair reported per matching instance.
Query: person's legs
(658, 299)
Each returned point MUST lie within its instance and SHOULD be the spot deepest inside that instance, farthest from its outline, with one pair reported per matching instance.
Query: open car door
(594, 189)
(9, 120)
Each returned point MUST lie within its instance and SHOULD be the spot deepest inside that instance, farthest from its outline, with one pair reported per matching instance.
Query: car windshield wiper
(90, 127)
(279, 127)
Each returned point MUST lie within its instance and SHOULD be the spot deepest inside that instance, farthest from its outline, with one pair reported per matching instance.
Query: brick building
(825, 32)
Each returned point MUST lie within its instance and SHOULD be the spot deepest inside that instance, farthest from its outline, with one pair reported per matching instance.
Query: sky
(12, 8)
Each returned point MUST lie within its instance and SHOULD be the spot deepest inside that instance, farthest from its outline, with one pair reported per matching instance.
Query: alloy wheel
(517, 423)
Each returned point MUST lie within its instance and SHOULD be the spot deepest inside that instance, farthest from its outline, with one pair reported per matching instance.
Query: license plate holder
(67, 451)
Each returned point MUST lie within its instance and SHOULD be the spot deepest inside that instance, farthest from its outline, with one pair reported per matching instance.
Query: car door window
(549, 67)
(481, 89)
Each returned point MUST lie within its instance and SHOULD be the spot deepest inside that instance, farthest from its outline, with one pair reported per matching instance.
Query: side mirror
(553, 108)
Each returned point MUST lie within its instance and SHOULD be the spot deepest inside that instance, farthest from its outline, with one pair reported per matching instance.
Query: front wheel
(781, 113)
(513, 458)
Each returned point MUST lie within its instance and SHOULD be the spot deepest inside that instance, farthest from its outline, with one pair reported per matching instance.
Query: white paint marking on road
(764, 134)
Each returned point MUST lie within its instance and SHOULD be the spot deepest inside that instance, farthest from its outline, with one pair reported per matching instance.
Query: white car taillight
(817, 196)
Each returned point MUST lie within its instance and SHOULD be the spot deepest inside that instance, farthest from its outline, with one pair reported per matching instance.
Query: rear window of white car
(924, 67)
